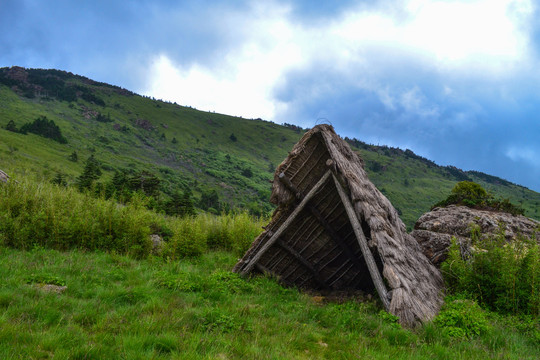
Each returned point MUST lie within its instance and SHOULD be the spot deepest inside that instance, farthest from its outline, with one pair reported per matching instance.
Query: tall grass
(40, 214)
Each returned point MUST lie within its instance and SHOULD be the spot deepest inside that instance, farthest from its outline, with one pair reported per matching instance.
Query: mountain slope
(190, 149)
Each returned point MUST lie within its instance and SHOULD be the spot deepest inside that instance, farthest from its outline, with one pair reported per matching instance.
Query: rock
(50, 288)
(435, 229)
(3, 176)
(157, 244)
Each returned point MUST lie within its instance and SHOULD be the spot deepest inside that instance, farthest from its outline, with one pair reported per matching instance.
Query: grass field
(117, 307)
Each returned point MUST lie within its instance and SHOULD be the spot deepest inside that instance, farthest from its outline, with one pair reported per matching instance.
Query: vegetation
(183, 302)
(117, 307)
(502, 277)
(198, 152)
(473, 195)
(46, 215)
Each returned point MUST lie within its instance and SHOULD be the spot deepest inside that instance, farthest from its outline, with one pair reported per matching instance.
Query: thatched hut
(334, 230)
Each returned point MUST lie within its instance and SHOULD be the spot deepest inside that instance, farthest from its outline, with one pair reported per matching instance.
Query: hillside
(188, 149)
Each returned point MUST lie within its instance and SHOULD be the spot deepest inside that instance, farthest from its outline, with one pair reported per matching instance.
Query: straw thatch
(334, 230)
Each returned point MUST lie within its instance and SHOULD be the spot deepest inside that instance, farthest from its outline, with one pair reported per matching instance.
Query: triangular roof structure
(333, 229)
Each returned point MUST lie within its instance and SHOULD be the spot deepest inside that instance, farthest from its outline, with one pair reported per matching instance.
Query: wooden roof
(334, 230)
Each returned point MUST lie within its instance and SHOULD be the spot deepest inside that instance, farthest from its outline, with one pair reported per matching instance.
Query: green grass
(117, 307)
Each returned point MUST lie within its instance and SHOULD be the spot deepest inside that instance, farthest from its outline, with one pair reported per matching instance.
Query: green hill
(188, 149)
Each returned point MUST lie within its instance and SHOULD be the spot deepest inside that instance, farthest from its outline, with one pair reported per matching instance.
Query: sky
(457, 82)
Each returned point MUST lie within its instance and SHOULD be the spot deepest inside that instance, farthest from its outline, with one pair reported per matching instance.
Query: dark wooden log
(247, 268)
(303, 261)
(368, 256)
(335, 237)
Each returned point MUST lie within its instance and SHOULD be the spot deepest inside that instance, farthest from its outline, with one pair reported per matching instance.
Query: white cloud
(520, 153)
(473, 37)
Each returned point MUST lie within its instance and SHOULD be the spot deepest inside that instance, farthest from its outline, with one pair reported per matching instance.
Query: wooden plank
(303, 261)
(285, 225)
(343, 273)
(335, 237)
(290, 186)
(368, 256)
(295, 238)
(324, 153)
(301, 227)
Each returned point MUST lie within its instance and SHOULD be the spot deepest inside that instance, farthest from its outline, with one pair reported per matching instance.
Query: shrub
(188, 240)
(503, 277)
(44, 127)
(473, 195)
(462, 318)
(11, 126)
(61, 218)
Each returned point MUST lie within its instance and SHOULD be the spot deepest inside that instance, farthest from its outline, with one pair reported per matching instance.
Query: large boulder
(435, 229)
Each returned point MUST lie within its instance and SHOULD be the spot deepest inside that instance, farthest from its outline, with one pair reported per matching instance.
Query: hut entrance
(317, 245)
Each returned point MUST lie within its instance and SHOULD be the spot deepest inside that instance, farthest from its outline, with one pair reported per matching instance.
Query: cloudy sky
(455, 81)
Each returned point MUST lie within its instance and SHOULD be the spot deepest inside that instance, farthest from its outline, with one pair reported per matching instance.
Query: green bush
(462, 318)
(473, 195)
(187, 240)
(231, 232)
(504, 277)
(61, 218)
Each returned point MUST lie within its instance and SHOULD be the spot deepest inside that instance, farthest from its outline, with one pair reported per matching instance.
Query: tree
(59, 179)
(44, 127)
(174, 141)
(11, 126)
(102, 118)
(180, 204)
(247, 172)
(469, 190)
(209, 200)
(73, 157)
(146, 182)
(233, 137)
(90, 174)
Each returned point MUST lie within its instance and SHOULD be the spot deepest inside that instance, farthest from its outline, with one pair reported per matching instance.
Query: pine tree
(59, 179)
(73, 157)
(180, 205)
(11, 126)
(209, 200)
(90, 174)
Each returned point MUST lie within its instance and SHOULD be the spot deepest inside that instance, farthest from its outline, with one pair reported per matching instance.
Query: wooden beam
(290, 186)
(368, 256)
(303, 261)
(320, 218)
(287, 223)
(335, 237)
(295, 238)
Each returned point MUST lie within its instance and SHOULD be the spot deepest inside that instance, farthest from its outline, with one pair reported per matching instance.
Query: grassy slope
(118, 307)
(199, 159)
(414, 186)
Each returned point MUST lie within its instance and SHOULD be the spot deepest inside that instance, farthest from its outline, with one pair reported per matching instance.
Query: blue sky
(455, 81)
